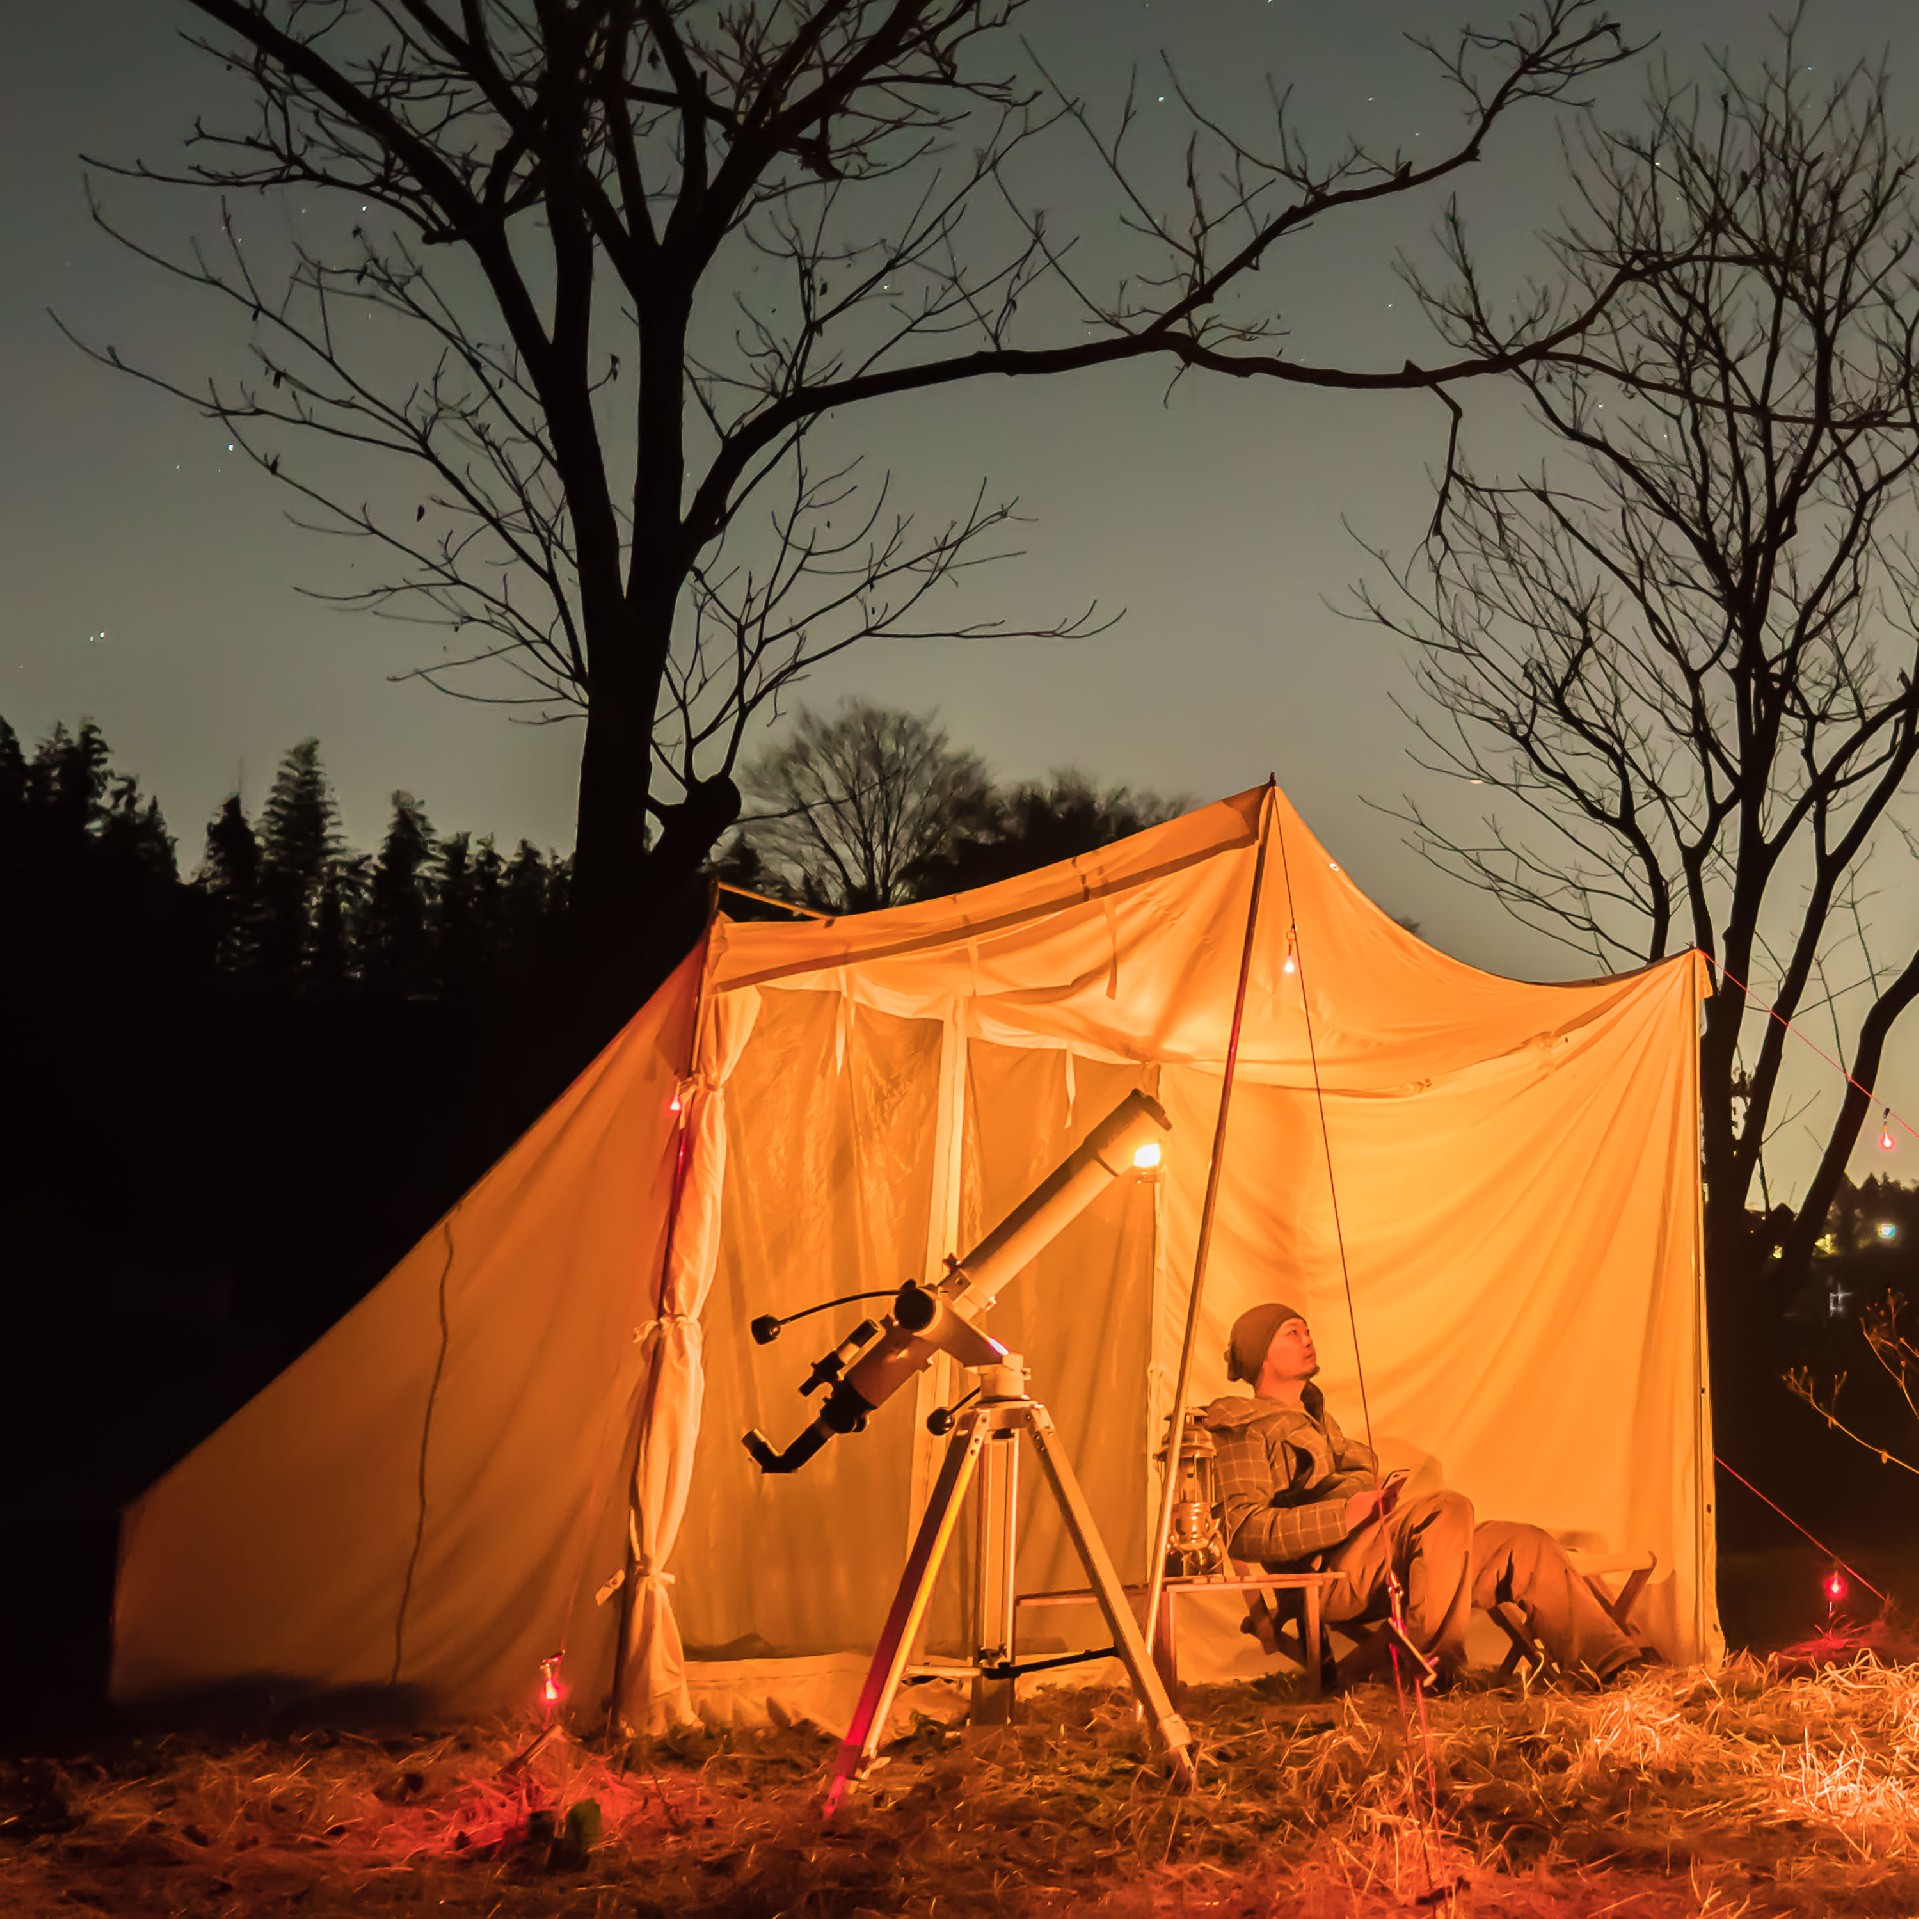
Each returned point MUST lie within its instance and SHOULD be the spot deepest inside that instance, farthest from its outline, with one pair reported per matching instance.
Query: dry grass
(1763, 1788)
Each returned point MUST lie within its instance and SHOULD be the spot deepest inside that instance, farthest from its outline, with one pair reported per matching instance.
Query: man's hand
(1362, 1507)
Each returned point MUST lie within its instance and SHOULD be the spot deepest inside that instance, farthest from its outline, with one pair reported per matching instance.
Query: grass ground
(1766, 1787)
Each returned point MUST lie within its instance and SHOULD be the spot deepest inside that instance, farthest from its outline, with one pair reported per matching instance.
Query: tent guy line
(1885, 1599)
(1877, 1098)
(1425, 1817)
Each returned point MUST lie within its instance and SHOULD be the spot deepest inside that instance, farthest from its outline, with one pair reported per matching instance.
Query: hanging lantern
(1836, 1588)
(549, 1685)
(1885, 1131)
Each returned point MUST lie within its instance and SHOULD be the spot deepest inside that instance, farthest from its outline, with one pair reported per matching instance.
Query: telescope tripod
(997, 1420)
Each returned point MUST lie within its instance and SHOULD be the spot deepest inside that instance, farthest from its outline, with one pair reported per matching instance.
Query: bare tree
(606, 268)
(1037, 823)
(1894, 1351)
(1685, 654)
(852, 806)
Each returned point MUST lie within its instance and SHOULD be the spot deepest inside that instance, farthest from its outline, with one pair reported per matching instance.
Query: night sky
(151, 578)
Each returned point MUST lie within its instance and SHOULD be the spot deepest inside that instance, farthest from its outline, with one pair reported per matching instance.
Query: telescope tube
(941, 1318)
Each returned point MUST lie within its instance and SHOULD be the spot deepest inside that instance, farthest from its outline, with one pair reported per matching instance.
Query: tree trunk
(635, 907)
(1728, 1261)
(608, 897)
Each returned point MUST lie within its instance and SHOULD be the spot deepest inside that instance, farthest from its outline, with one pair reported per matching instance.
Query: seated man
(1298, 1494)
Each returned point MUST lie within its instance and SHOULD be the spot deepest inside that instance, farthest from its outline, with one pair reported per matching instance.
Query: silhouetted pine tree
(299, 834)
(457, 958)
(13, 774)
(526, 908)
(66, 784)
(230, 879)
(337, 916)
(489, 905)
(396, 946)
(134, 830)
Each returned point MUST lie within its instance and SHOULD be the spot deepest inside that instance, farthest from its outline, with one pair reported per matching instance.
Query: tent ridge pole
(1176, 1419)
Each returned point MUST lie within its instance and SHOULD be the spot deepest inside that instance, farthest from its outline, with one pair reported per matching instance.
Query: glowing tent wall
(419, 1509)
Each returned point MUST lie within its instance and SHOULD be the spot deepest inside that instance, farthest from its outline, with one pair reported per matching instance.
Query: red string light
(1885, 1131)
(549, 1684)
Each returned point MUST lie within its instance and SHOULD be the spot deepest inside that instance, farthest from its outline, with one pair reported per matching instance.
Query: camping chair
(1283, 1617)
(1281, 1603)
(1282, 1608)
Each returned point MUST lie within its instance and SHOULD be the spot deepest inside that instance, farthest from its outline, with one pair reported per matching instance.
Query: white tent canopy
(1505, 1175)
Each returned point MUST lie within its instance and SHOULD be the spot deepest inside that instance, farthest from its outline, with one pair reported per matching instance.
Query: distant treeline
(279, 898)
(236, 1092)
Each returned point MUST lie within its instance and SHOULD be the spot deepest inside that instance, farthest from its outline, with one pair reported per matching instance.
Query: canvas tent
(551, 1388)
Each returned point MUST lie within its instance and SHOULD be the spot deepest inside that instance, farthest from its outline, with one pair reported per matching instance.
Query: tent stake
(1176, 1419)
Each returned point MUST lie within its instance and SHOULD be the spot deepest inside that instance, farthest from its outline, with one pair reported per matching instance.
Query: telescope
(879, 1356)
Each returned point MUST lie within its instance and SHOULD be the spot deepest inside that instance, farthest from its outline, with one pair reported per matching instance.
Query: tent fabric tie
(660, 1321)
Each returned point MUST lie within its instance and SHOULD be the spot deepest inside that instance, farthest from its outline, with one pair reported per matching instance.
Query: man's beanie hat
(1253, 1332)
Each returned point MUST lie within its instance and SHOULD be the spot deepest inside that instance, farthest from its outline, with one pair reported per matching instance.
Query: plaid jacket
(1285, 1475)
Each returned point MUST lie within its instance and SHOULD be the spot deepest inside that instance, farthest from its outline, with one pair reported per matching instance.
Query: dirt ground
(1766, 1787)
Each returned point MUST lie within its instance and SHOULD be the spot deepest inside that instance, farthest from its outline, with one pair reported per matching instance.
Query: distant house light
(1887, 1229)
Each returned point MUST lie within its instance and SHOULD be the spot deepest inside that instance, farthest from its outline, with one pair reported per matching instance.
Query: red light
(1885, 1139)
(1835, 1586)
(673, 1105)
(550, 1683)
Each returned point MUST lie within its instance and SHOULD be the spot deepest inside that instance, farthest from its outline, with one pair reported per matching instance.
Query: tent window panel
(828, 1182)
(1081, 1314)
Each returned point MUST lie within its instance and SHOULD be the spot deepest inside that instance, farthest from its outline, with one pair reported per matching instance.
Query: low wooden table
(1308, 1585)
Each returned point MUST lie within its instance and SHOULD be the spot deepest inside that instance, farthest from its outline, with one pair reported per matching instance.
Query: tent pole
(616, 1696)
(1169, 1479)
